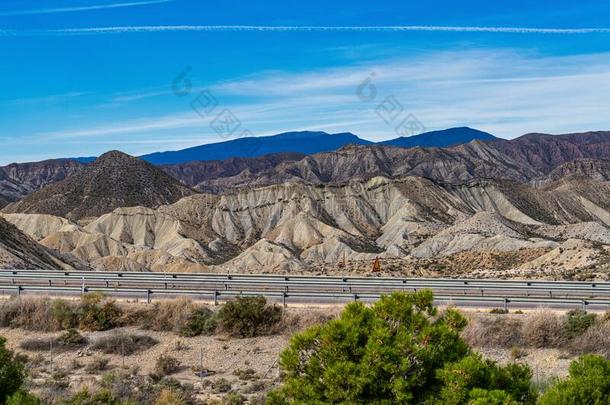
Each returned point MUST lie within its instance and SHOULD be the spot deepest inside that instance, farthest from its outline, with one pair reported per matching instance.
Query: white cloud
(297, 28)
(80, 8)
(501, 91)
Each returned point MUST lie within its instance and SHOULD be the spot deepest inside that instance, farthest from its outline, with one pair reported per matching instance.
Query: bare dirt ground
(221, 357)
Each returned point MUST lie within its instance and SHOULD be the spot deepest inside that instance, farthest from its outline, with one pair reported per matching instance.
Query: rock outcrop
(114, 180)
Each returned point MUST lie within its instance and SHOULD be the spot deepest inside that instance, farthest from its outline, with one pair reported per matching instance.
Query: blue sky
(80, 77)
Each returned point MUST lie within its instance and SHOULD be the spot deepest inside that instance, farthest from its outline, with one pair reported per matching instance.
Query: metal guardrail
(218, 287)
(291, 278)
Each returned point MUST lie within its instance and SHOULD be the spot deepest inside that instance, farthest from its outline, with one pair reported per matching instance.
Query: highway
(288, 289)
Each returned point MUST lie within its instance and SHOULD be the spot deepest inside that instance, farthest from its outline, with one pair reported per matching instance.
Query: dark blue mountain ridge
(441, 139)
(306, 142)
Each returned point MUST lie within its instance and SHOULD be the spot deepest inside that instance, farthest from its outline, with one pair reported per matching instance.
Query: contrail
(269, 28)
(80, 8)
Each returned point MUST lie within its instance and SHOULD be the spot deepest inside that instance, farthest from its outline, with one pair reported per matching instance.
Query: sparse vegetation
(123, 344)
(166, 316)
(33, 314)
(98, 314)
(249, 317)
(72, 338)
(221, 385)
(97, 365)
(233, 398)
(543, 329)
(352, 348)
(170, 397)
(255, 386)
(69, 340)
(517, 353)
(576, 332)
(201, 321)
(65, 313)
(167, 365)
(577, 322)
(245, 374)
(504, 332)
(588, 383)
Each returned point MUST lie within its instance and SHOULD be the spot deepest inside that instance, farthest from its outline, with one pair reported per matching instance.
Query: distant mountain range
(527, 158)
(535, 205)
(440, 139)
(304, 142)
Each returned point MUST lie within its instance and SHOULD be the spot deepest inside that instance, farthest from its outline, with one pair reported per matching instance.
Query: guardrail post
(584, 305)
(355, 297)
(215, 297)
(148, 296)
(284, 295)
(505, 304)
(18, 291)
(82, 288)
(50, 283)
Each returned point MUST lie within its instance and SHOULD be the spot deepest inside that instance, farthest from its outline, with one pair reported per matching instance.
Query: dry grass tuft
(292, 322)
(493, 331)
(35, 314)
(170, 315)
(544, 329)
(596, 339)
(123, 344)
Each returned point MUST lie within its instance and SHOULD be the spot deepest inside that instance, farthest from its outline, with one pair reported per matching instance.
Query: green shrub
(22, 398)
(72, 338)
(475, 380)
(498, 311)
(221, 385)
(249, 317)
(245, 374)
(255, 386)
(233, 398)
(201, 321)
(12, 372)
(167, 365)
(96, 314)
(84, 397)
(65, 314)
(578, 321)
(588, 383)
(387, 353)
